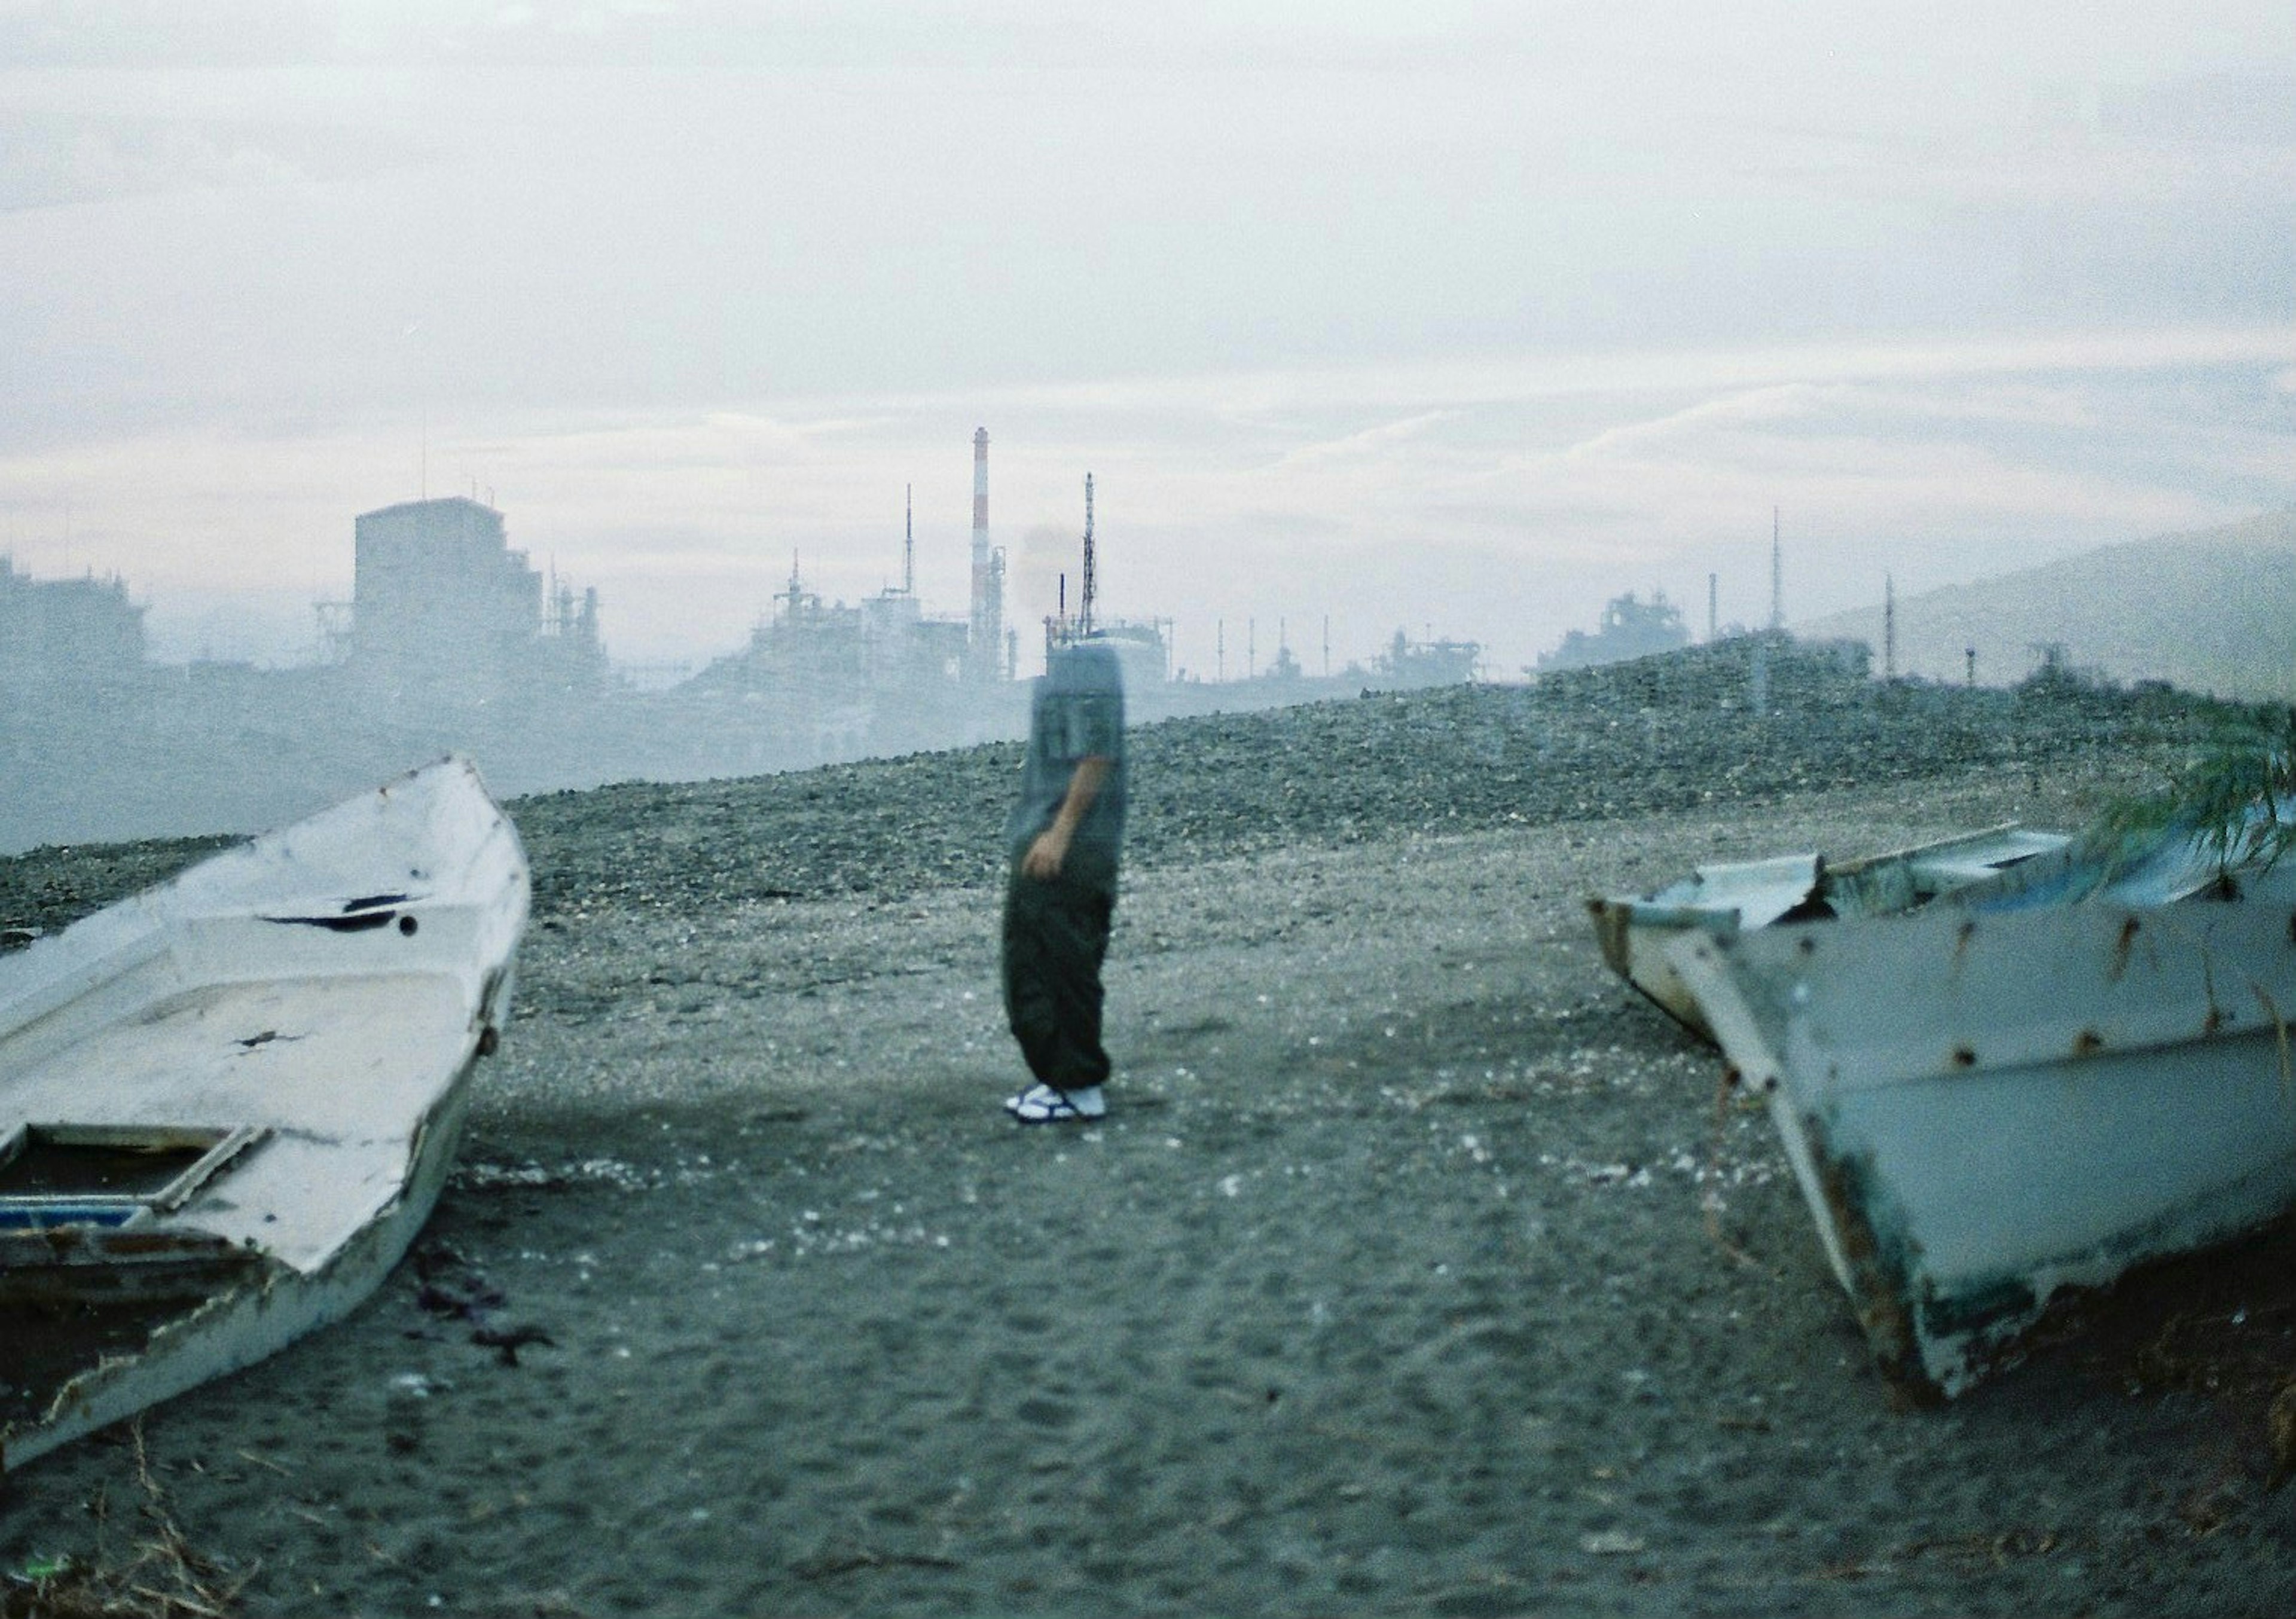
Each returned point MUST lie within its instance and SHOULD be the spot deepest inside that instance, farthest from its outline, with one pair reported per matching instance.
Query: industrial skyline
(998, 645)
(452, 640)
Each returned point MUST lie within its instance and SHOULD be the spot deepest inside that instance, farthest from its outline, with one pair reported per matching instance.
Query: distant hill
(2212, 611)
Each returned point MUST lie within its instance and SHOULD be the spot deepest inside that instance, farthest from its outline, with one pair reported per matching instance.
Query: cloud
(50, 160)
(2245, 109)
(81, 34)
(1372, 443)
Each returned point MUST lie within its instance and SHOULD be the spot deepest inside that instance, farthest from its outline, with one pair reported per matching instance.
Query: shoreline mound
(1741, 721)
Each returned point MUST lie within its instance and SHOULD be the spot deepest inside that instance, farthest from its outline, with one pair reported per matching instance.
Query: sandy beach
(1419, 1268)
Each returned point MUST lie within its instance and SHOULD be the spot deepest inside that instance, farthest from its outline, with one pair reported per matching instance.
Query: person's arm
(1050, 851)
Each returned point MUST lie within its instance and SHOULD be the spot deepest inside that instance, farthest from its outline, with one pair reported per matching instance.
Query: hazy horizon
(1450, 317)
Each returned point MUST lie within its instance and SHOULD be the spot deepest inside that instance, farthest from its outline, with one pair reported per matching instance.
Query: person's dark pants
(1056, 938)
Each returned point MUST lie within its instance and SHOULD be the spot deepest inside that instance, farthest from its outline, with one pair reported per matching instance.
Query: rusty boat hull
(2021, 1092)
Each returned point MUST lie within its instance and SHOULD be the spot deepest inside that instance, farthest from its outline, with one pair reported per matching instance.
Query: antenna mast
(1090, 582)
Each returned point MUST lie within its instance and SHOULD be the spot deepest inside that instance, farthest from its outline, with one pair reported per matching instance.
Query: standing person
(1063, 839)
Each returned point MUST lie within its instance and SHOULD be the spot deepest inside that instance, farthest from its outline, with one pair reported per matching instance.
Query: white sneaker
(1043, 1105)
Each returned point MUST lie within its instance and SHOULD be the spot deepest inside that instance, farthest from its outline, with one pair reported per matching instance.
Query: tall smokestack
(987, 627)
(909, 543)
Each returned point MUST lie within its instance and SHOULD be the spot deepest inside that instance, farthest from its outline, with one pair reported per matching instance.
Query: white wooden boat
(228, 1103)
(1724, 900)
(2027, 1087)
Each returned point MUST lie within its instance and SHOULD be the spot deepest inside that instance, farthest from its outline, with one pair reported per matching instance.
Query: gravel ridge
(1649, 737)
(1677, 731)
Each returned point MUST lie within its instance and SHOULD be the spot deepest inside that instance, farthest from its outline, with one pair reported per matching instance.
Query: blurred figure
(1064, 839)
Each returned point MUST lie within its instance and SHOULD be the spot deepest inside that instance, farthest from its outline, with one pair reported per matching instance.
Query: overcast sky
(1451, 317)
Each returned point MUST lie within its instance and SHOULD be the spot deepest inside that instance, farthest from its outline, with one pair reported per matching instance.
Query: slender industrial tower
(909, 544)
(1778, 579)
(988, 630)
(1888, 627)
(1091, 581)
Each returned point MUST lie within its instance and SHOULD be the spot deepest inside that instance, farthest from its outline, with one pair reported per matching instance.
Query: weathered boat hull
(1986, 1109)
(1637, 932)
(235, 1327)
(312, 1003)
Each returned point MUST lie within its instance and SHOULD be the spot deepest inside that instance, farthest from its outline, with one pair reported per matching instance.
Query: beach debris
(507, 1342)
(2280, 1429)
(450, 1286)
(454, 1288)
(833, 1561)
(1611, 1543)
(482, 1175)
(161, 1577)
(446, 1301)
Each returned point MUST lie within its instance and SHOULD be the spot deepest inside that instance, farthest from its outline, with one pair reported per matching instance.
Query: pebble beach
(1420, 1266)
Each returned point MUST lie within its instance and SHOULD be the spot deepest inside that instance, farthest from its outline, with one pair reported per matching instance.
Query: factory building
(445, 615)
(66, 640)
(821, 680)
